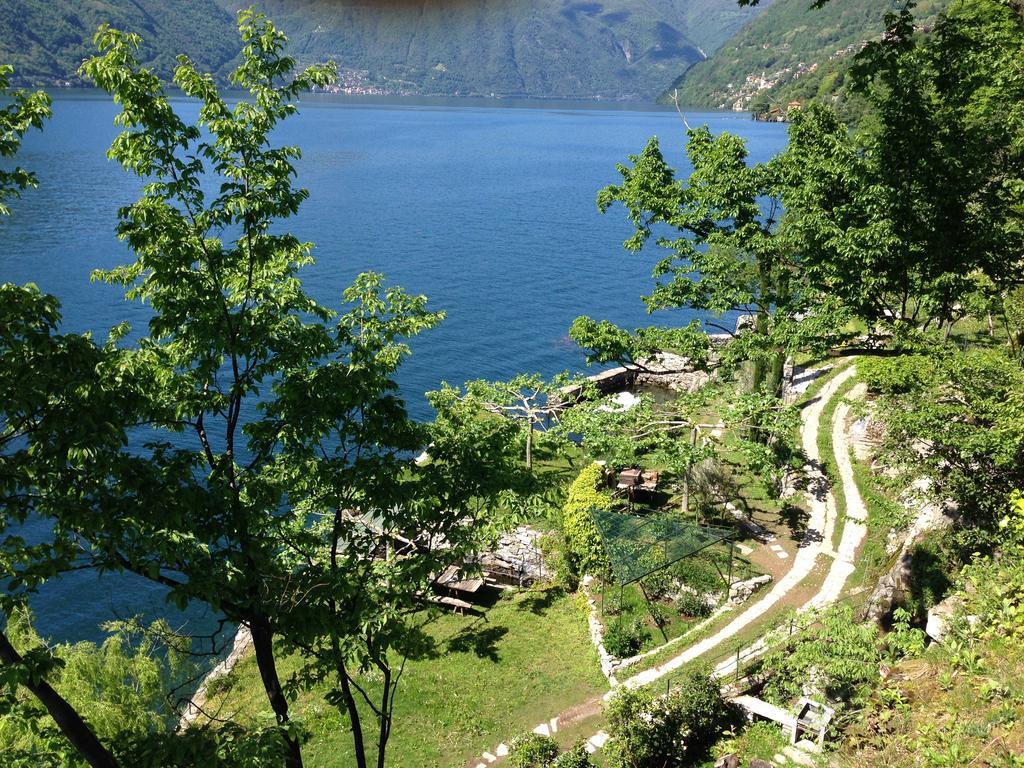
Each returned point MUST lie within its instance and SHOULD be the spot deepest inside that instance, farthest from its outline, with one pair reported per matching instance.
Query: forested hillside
(790, 52)
(46, 40)
(541, 48)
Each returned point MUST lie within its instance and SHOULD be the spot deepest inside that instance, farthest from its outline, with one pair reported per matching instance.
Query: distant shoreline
(484, 102)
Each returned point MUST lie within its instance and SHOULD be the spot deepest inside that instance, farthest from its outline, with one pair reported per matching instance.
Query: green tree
(723, 258)
(54, 424)
(526, 399)
(288, 499)
(898, 220)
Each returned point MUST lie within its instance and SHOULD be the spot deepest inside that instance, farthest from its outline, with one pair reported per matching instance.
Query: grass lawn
(527, 659)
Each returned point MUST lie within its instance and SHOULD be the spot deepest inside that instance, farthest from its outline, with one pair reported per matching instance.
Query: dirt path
(817, 541)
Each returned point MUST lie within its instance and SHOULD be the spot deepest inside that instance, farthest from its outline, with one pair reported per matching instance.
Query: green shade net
(640, 545)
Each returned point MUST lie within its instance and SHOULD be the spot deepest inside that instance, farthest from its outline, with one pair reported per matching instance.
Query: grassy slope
(527, 659)
(950, 708)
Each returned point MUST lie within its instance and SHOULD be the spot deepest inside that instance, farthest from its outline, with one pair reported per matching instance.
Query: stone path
(817, 541)
(855, 528)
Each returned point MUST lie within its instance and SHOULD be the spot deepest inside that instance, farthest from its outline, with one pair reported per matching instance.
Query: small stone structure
(517, 559)
(670, 371)
(741, 591)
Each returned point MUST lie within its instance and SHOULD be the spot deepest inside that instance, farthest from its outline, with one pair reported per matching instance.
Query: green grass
(525, 661)
(826, 450)
(884, 514)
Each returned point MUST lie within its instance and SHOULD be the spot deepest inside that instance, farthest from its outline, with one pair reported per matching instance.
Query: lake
(486, 207)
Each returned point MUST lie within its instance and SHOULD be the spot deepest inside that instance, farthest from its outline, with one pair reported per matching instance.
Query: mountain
(790, 52)
(611, 49)
(46, 40)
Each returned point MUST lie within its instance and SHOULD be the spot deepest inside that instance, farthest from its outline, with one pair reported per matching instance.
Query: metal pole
(732, 545)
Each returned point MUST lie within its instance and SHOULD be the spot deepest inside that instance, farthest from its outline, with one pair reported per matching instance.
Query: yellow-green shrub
(585, 552)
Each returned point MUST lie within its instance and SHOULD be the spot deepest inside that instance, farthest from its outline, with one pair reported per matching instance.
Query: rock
(940, 617)
(742, 590)
(759, 763)
(895, 584)
(728, 761)
(780, 759)
(671, 371)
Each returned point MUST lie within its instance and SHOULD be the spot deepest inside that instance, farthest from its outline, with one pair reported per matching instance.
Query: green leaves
(20, 113)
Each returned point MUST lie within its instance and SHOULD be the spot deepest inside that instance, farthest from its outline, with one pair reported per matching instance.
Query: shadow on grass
(480, 640)
(538, 603)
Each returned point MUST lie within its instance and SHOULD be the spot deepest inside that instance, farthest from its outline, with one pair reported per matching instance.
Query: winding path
(817, 541)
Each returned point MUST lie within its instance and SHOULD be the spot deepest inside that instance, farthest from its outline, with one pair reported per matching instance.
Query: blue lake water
(486, 208)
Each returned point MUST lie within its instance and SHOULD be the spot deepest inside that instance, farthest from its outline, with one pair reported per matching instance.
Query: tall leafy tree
(280, 487)
(722, 257)
(54, 424)
(901, 219)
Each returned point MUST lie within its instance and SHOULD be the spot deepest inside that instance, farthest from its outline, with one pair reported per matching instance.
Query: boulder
(759, 763)
(728, 761)
(940, 617)
(895, 583)
(671, 371)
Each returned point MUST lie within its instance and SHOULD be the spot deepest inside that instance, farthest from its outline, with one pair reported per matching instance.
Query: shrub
(698, 573)
(624, 638)
(583, 542)
(658, 584)
(576, 757)
(896, 375)
(659, 614)
(670, 731)
(693, 604)
(559, 560)
(839, 654)
(612, 604)
(531, 750)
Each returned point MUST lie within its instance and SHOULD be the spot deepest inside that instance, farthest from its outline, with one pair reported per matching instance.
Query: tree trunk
(385, 716)
(529, 443)
(68, 720)
(353, 715)
(774, 379)
(263, 645)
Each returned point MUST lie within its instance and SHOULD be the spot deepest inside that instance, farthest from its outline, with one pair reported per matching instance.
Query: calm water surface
(487, 209)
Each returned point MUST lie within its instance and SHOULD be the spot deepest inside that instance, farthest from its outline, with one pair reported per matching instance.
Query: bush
(558, 558)
(698, 573)
(840, 655)
(658, 584)
(896, 375)
(577, 757)
(659, 614)
(583, 543)
(531, 750)
(693, 604)
(669, 731)
(624, 638)
(612, 604)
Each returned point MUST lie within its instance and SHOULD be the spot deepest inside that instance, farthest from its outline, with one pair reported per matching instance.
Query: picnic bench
(459, 606)
(451, 580)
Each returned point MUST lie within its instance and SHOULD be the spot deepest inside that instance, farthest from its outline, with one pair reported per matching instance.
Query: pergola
(639, 545)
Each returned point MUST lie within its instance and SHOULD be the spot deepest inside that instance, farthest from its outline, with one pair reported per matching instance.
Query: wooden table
(450, 580)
